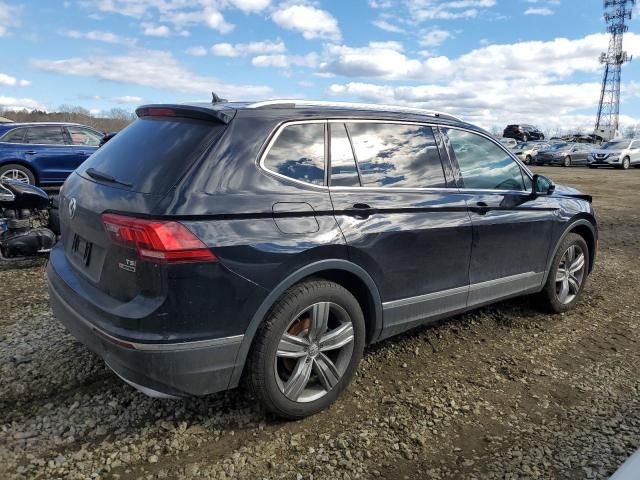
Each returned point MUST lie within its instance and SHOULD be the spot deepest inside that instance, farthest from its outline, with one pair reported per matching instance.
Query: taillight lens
(163, 241)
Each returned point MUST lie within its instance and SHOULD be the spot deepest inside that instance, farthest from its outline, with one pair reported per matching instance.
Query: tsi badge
(128, 265)
(72, 207)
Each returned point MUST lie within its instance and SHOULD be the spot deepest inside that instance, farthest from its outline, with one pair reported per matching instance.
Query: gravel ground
(502, 392)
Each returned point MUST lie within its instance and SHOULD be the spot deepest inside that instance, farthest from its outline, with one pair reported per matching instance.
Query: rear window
(152, 154)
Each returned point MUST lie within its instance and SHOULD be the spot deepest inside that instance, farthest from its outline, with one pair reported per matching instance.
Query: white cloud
(128, 99)
(286, 61)
(539, 11)
(101, 36)
(151, 30)
(251, 5)
(9, 17)
(253, 48)
(387, 27)
(215, 20)
(422, 10)
(433, 38)
(486, 85)
(198, 51)
(149, 68)
(10, 81)
(310, 21)
(13, 103)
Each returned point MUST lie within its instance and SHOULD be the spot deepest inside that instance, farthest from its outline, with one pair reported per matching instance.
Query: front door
(48, 150)
(511, 227)
(400, 222)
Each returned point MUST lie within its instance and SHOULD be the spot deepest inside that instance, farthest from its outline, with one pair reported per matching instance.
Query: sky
(492, 62)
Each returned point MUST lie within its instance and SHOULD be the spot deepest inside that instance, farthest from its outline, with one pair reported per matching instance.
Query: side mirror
(542, 185)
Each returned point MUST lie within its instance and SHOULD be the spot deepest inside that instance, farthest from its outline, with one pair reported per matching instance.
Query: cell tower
(616, 14)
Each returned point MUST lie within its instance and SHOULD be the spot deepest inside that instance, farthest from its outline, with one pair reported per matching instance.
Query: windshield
(559, 146)
(619, 145)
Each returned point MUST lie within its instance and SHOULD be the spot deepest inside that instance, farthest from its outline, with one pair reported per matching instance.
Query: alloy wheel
(625, 163)
(314, 352)
(16, 175)
(570, 274)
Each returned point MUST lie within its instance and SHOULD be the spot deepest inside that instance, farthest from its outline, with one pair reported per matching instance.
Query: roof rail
(356, 106)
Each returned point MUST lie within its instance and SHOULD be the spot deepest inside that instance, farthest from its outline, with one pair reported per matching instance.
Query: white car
(619, 153)
(527, 151)
(508, 142)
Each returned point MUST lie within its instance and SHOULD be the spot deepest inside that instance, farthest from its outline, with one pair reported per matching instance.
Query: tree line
(108, 121)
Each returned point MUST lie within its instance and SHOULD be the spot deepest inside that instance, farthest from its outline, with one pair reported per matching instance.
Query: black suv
(270, 242)
(523, 133)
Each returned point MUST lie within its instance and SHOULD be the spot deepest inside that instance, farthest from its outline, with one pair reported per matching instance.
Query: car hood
(566, 191)
(606, 152)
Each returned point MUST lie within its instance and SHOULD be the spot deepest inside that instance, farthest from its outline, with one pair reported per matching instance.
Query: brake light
(158, 112)
(163, 241)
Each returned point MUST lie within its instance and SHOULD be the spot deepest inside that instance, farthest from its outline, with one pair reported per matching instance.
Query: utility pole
(616, 14)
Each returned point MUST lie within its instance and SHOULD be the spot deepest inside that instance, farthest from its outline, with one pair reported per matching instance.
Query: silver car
(616, 153)
(527, 151)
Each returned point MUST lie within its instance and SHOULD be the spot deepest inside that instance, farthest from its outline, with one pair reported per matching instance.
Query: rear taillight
(163, 241)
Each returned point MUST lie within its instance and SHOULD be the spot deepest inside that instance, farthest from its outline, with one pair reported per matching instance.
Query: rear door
(83, 141)
(50, 153)
(402, 224)
(511, 227)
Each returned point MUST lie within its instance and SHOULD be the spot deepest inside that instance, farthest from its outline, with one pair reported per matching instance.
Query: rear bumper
(157, 369)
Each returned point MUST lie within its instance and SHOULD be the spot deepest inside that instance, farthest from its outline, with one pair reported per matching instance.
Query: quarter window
(84, 136)
(395, 155)
(45, 135)
(483, 164)
(343, 166)
(298, 153)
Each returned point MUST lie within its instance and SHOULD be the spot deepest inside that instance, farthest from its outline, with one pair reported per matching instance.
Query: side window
(394, 155)
(343, 166)
(45, 135)
(298, 153)
(14, 136)
(483, 164)
(84, 136)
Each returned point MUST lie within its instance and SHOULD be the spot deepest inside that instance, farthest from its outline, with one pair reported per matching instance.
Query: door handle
(481, 208)
(30, 152)
(362, 210)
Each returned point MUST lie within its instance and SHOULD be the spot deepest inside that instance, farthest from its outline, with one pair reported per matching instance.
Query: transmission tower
(616, 14)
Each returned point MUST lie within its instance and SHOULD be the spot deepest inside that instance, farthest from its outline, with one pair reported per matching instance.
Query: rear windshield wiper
(93, 173)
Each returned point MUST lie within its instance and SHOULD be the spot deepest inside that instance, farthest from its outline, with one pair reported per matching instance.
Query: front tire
(567, 276)
(17, 172)
(528, 160)
(626, 163)
(567, 162)
(307, 350)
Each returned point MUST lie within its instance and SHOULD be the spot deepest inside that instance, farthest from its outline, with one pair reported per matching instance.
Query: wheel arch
(22, 163)
(584, 227)
(351, 276)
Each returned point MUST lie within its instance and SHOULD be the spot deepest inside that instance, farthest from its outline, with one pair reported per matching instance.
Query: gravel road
(503, 392)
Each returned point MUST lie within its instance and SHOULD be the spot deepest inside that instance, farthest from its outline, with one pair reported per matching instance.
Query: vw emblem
(72, 208)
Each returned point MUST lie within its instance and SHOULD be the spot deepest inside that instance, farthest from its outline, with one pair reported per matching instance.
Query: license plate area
(81, 249)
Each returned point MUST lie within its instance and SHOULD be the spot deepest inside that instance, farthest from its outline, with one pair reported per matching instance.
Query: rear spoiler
(221, 113)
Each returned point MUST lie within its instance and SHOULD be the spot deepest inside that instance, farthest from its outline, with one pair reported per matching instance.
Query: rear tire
(567, 276)
(528, 160)
(292, 344)
(525, 138)
(15, 171)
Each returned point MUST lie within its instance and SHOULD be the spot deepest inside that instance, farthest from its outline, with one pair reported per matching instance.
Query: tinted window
(45, 135)
(393, 155)
(15, 136)
(343, 166)
(298, 153)
(84, 136)
(483, 164)
(152, 154)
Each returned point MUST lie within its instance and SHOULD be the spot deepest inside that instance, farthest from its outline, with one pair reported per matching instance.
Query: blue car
(44, 153)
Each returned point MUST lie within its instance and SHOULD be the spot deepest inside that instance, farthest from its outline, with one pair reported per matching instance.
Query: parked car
(565, 154)
(527, 151)
(509, 142)
(621, 153)
(523, 133)
(210, 243)
(44, 153)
